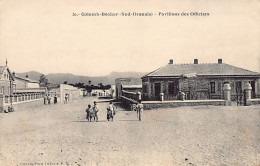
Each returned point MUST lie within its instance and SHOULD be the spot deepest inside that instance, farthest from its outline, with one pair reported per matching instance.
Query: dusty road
(60, 135)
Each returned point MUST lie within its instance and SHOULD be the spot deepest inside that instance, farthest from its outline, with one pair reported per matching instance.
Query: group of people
(47, 99)
(92, 112)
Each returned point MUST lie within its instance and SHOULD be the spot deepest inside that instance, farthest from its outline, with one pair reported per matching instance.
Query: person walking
(45, 99)
(110, 111)
(88, 110)
(49, 98)
(139, 110)
(66, 98)
(95, 109)
(55, 99)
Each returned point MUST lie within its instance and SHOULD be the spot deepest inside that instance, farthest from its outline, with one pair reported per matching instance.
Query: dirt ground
(60, 135)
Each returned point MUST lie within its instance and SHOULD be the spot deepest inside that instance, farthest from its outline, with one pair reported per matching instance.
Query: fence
(129, 98)
(8, 100)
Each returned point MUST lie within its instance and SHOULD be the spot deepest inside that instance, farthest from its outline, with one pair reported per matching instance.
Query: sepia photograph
(129, 83)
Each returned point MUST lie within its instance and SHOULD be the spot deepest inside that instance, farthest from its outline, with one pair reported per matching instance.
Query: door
(238, 87)
(239, 93)
(253, 88)
(157, 90)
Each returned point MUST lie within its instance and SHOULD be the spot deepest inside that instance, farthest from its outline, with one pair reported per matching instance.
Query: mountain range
(58, 78)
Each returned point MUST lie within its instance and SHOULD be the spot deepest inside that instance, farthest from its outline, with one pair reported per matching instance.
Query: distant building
(127, 84)
(101, 92)
(198, 81)
(15, 90)
(60, 90)
(21, 83)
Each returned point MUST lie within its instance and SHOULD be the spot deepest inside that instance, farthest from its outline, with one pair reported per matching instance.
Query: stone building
(198, 81)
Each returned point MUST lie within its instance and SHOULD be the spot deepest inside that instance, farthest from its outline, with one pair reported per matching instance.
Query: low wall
(176, 103)
(6, 101)
(129, 101)
(253, 101)
(29, 104)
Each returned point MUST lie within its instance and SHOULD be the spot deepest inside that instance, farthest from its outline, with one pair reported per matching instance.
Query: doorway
(157, 87)
(253, 88)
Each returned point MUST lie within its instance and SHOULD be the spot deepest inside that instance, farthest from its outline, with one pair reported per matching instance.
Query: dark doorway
(253, 88)
(238, 87)
(157, 90)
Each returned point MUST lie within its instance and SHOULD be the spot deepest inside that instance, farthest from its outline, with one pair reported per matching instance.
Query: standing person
(95, 109)
(91, 114)
(55, 99)
(49, 98)
(110, 111)
(88, 110)
(45, 99)
(66, 98)
(139, 110)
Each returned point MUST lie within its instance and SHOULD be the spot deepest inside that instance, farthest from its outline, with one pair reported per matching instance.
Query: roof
(200, 70)
(3, 68)
(131, 86)
(26, 79)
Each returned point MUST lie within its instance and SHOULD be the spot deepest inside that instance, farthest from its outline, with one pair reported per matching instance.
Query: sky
(43, 36)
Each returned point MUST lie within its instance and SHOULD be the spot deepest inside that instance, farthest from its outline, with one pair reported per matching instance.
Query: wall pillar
(162, 96)
(139, 96)
(2, 100)
(248, 91)
(227, 94)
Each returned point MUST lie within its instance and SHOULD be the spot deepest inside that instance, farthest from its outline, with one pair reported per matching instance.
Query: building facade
(6, 81)
(22, 83)
(198, 81)
(127, 84)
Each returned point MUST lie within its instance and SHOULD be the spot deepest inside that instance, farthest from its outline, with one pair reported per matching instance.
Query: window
(212, 87)
(171, 88)
(2, 90)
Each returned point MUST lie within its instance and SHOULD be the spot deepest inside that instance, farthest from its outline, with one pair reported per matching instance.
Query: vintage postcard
(153, 82)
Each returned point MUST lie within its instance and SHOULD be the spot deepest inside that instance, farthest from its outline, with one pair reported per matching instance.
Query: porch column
(227, 94)
(162, 96)
(248, 90)
(139, 96)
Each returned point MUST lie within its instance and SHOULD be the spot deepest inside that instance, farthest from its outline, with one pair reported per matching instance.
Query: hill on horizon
(58, 78)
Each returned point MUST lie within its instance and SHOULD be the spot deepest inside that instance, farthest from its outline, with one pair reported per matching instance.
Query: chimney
(171, 61)
(196, 61)
(219, 61)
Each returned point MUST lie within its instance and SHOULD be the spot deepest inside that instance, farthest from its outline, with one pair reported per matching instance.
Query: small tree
(43, 81)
